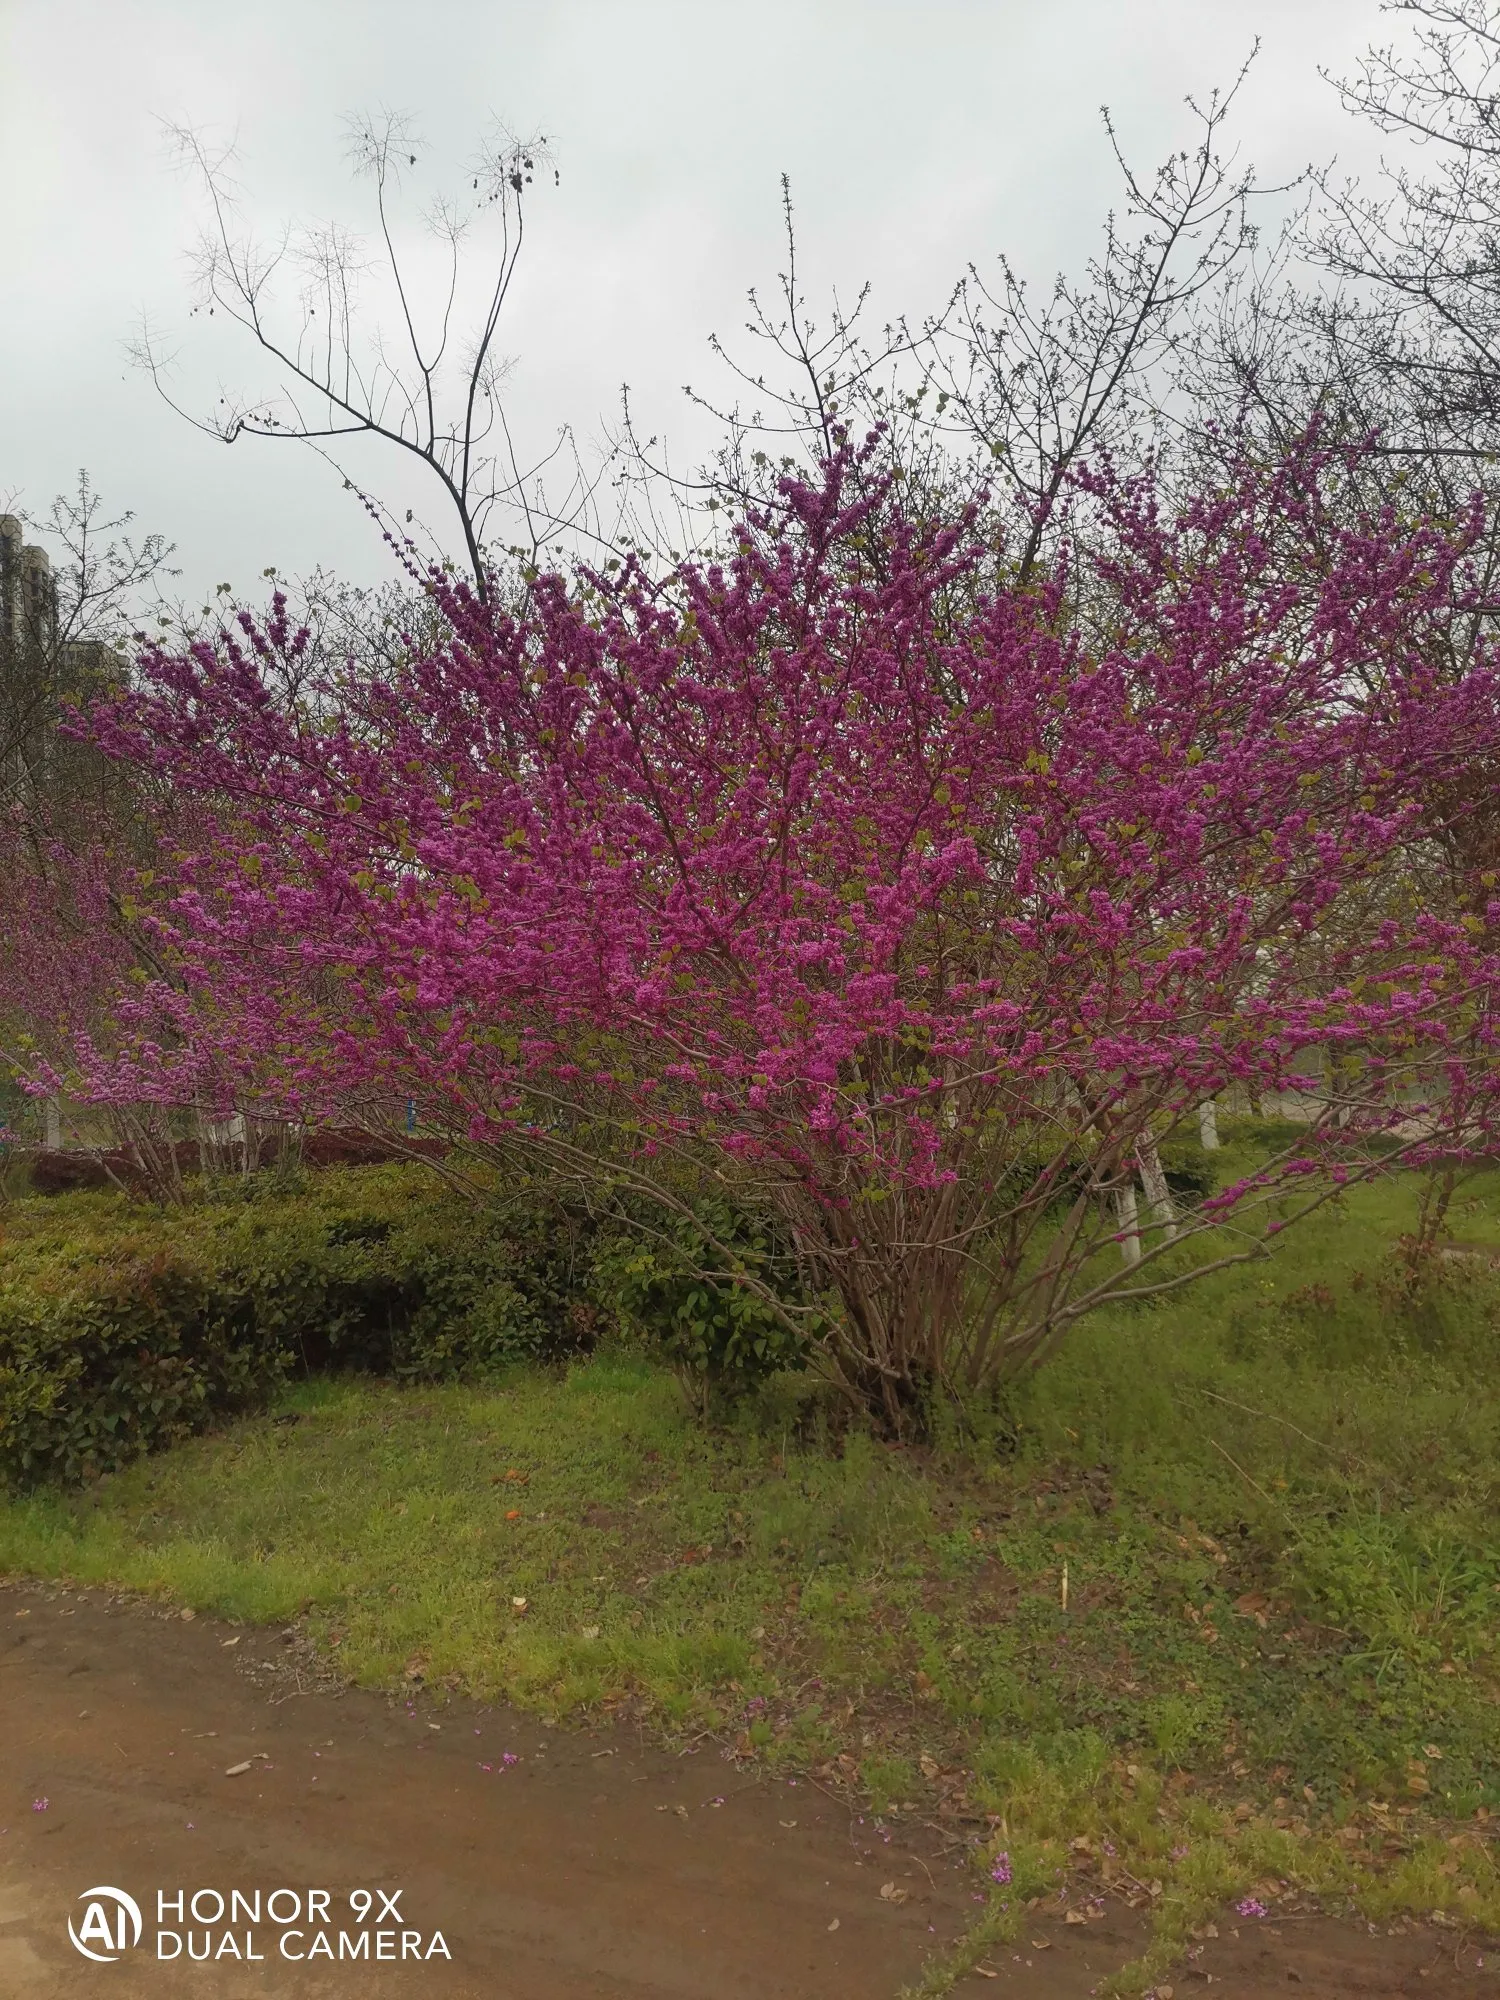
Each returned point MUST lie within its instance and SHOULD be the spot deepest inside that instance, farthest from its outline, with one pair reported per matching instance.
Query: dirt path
(584, 1869)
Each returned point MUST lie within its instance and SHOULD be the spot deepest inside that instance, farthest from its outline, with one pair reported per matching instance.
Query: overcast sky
(918, 134)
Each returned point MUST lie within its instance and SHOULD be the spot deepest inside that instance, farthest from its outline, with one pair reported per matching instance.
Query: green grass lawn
(1272, 1497)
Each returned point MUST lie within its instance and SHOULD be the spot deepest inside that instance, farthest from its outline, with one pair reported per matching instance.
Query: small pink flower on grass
(1001, 1871)
(40, 1805)
(1250, 1907)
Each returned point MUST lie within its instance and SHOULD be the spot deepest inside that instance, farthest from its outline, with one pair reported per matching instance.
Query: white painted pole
(1125, 1210)
(1154, 1181)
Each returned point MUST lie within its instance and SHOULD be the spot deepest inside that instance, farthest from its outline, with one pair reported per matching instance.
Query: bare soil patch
(557, 1865)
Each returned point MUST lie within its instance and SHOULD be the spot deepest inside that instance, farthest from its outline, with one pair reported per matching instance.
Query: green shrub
(122, 1329)
(1266, 1136)
(692, 1284)
(133, 1358)
(1192, 1175)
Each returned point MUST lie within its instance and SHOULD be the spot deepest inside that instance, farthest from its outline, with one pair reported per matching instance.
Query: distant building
(31, 646)
(28, 596)
(41, 672)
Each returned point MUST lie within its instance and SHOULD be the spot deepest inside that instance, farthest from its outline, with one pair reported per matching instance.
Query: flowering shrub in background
(841, 879)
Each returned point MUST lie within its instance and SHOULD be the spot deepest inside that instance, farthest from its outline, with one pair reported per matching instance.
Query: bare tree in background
(1378, 316)
(401, 369)
(1039, 387)
(69, 602)
(804, 388)
(64, 637)
(1419, 261)
(1378, 321)
(996, 398)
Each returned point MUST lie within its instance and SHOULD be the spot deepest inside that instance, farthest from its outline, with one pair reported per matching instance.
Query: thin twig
(1245, 1475)
(1214, 1397)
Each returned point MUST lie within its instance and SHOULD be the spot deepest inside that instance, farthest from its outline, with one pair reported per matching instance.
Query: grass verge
(1205, 1613)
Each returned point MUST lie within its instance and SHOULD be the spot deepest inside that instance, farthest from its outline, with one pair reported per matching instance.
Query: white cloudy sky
(918, 134)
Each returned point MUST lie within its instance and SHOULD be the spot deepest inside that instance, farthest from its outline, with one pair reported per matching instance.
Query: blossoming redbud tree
(846, 879)
(79, 975)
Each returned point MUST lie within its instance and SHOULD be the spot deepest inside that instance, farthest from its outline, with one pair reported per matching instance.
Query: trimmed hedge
(124, 1328)
(74, 1169)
